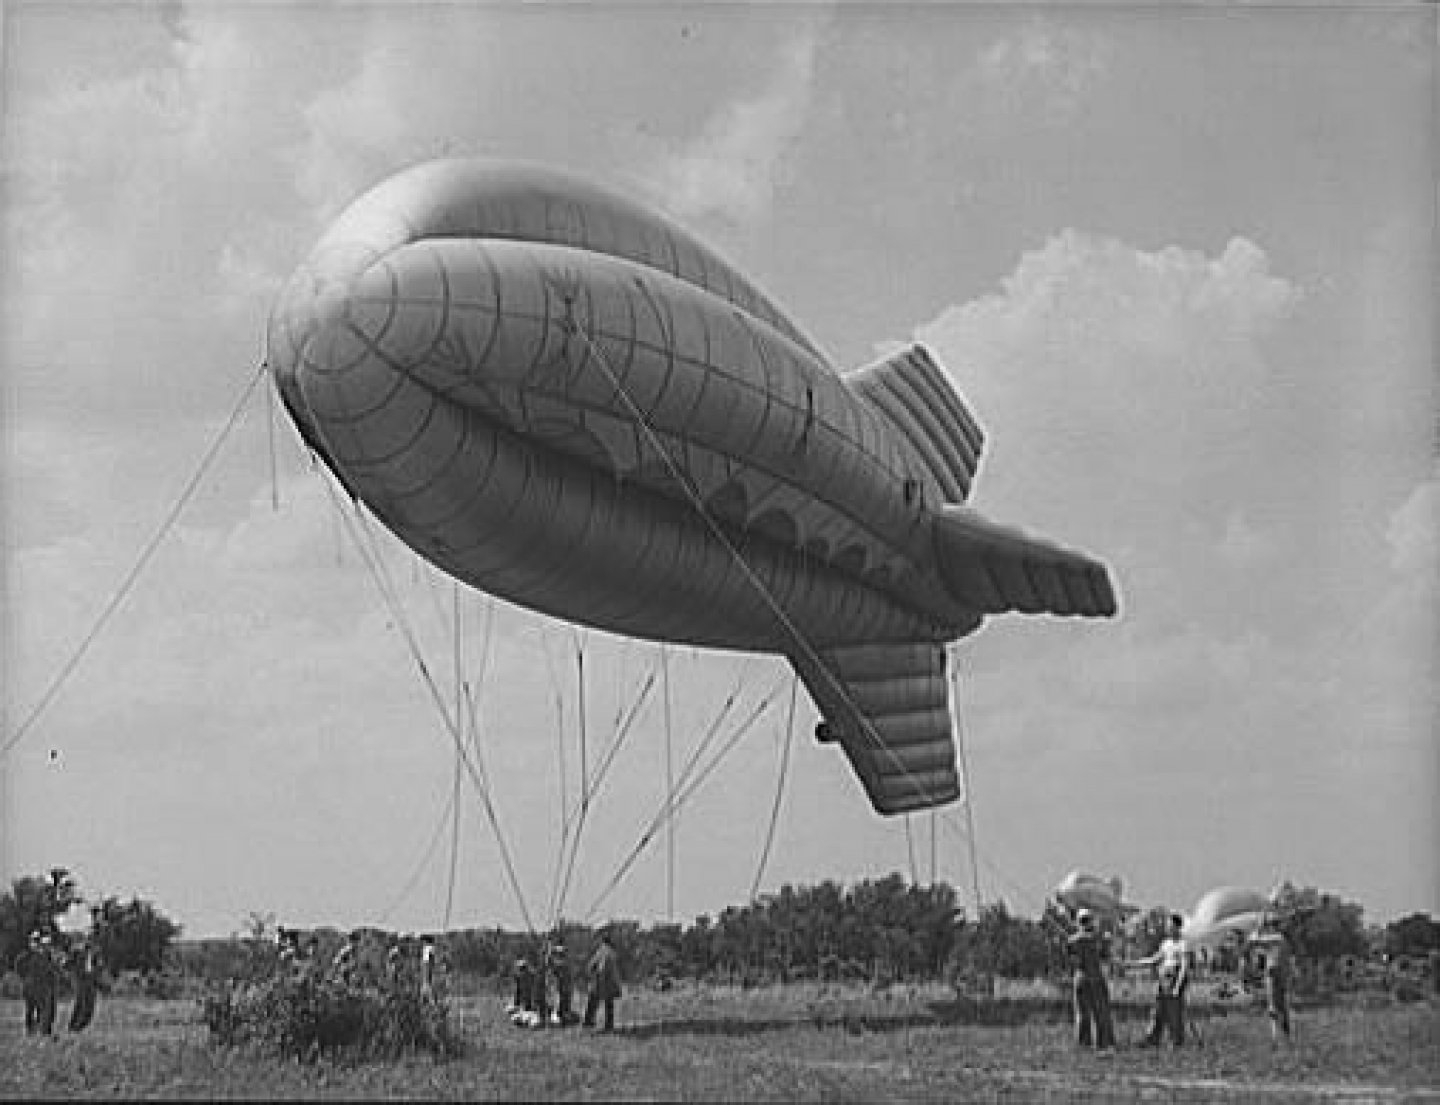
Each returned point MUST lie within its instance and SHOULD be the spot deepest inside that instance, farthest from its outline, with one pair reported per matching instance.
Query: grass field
(799, 1043)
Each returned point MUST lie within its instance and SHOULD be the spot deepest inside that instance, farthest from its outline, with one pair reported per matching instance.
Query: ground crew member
(346, 964)
(394, 964)
(564, 983)
(604, 972)
(85, 972)
(1172, 967)
(36, 969)
(1275, 968)
(523, 986)
(427, 966)
(1087, 950)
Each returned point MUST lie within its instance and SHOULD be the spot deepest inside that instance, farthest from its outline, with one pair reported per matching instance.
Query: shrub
(302, 1019)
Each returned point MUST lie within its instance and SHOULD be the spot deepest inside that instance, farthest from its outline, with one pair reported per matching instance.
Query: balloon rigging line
(477, 775)
(932, 847)
(681, 478)
(669, 785)
(584, 758)
(435, 836)
(574, 820)
(672, 807)
(910, 852)
(667, 807)
(595, 786)
(270, 437)
(560, 753)
(379, 577)
(957, 724)
(779, 789)
(455, 778)
(108, 611)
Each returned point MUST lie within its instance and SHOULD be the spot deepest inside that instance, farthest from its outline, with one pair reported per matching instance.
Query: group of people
(409, 964)
(42, 966)
(1088, 951)
(531, 1006)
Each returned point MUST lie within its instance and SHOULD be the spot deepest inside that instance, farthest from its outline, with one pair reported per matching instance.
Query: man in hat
(1087, 950)
(604, 972)
(564, 983)
(39, 977)
(85, 973)
(1273, 960)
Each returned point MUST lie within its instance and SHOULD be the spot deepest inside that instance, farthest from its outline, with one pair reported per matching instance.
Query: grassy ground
(801, 1043)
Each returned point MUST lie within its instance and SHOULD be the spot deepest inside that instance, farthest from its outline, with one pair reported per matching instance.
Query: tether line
(108, 611)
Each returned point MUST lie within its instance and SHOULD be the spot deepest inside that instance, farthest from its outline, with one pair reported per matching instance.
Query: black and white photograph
(719, 551)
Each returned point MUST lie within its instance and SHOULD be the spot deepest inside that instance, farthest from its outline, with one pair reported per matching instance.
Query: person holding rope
(1172, 970)
(1088, 949)
(1273, 958)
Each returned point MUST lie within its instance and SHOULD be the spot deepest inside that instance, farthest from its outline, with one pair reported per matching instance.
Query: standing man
(564, 983)
(428, 967)
(1087, 950)
(345, 967)
(85, 972)
(1172, 969)
(1275, 966)
(604, 972)
(37, 976)
(394, 964)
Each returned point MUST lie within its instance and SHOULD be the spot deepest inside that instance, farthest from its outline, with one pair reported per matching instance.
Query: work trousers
(1169, 1016)
(1093, 1020)
(592, 1005)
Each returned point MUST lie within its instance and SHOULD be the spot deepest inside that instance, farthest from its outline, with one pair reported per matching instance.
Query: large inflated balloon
(561, 397)
(1079, 890)
(1224, 912)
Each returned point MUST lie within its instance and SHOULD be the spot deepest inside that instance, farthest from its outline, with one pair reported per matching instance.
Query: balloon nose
(310, 315)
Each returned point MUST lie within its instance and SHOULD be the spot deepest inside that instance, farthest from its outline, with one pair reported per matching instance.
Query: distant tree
(1320, 926)
(132, 935)
(1150, 928)
(1416, 935)
(1000, 943)
(31, 904)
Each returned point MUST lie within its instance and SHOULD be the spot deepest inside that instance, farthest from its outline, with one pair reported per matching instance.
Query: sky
(1179, 260)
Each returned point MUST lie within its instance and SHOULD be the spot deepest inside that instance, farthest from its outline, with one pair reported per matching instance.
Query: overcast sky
(1180, 262)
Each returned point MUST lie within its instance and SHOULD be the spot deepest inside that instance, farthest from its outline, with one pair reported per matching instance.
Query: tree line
(877, 930)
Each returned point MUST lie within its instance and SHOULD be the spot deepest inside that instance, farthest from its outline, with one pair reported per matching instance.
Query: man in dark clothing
(604, 972)
(564, 984)
(1088, 950)
(40, 977)
(524, 986)
(85, 973)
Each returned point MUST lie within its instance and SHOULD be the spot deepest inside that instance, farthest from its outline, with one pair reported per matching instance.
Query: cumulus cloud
(1414, 536)
(1046, 67)
(1100, 352)
(732, 169)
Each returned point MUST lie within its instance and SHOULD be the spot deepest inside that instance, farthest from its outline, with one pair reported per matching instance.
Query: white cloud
(1045, 65)
(733, 169)
(1414, 536)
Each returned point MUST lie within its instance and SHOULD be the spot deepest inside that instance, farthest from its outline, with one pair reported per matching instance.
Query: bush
(302, 1019)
